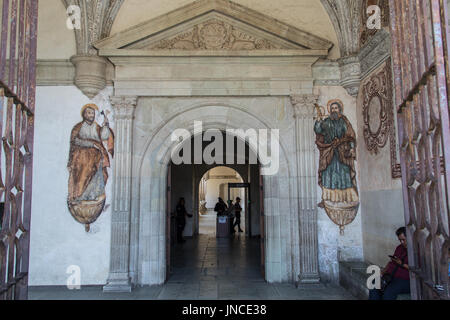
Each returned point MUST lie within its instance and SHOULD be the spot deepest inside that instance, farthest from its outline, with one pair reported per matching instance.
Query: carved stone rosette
(377, 106)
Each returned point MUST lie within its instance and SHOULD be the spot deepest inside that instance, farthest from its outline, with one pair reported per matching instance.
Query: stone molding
(376, 51)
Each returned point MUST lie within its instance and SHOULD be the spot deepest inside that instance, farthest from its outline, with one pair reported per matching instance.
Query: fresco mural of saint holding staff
(88, 166)
(336, 141)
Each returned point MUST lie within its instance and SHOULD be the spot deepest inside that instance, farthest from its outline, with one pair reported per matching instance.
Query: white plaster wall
(57, 240)
(213, 191)
(306, 15)
(333, 246)
(55, 40)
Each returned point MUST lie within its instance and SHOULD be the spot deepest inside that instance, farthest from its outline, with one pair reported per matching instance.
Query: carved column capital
(304, 105)
(123, 107)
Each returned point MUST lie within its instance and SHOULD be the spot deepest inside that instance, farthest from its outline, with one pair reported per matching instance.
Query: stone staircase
(353, 277)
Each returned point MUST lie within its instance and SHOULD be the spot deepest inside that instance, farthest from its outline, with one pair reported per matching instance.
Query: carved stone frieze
(366, 34)
(215, 35)
(376, 51)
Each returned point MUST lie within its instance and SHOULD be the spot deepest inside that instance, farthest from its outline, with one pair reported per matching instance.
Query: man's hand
(397, 261)
(106, 122)
(335, 143)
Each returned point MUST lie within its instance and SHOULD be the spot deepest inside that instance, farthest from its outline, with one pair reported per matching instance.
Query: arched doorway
(142, 241)
(205, 255)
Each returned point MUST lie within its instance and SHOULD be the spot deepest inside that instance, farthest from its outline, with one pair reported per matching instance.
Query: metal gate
(17, 102)
(419, 31)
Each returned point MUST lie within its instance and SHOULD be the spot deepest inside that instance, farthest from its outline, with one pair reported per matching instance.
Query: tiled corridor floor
(207, 268)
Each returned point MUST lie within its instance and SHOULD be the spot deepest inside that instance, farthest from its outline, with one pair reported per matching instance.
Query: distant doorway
(216, 183)
(201, 185)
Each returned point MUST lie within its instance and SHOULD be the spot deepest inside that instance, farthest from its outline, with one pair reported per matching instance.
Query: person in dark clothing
(181, 219)
(221, 207)
(398, 269)
(237, 213)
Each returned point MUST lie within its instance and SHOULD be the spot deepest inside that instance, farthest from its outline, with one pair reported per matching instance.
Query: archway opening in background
(214, 184)
(202, 253)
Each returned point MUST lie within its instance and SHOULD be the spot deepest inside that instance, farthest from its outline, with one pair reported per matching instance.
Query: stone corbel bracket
(350, 74)
(90, 74)
(356, 68)
(97, 17)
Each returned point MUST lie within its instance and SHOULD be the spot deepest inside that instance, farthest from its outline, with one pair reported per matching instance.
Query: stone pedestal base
(119, 282)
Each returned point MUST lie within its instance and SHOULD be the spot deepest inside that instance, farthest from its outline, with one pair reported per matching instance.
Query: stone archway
(138, 226)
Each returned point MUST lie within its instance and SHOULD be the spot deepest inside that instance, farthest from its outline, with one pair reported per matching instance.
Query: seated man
(398, 270)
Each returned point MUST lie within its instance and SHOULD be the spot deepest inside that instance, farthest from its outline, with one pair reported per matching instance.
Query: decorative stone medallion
(377, 109)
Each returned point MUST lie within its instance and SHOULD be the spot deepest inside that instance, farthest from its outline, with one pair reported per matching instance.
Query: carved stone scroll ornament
(377, 109)
(215, 35)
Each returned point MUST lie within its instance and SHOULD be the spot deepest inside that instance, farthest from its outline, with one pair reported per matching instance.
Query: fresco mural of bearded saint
(88, 166)
(336, 141)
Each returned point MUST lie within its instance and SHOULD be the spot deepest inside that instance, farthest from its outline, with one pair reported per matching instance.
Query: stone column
(119, 278)
(307, 186)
